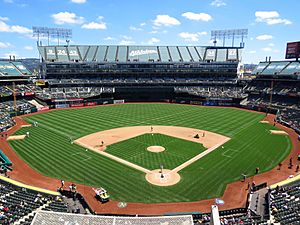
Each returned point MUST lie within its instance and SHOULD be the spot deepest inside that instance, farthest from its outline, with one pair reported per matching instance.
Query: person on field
(291, 163)
(244, 177)
(257, 170)
(62, 183)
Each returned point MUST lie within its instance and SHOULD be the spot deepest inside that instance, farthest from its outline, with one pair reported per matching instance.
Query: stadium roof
(278, 68)
(127, 54)
(54, 218)
(13, 68)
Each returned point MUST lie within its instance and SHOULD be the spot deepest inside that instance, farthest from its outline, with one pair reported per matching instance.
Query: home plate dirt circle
(155, 148)
(169, 178)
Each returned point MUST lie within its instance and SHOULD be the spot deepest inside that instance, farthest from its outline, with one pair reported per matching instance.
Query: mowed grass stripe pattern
(177, 151)
(49, 151)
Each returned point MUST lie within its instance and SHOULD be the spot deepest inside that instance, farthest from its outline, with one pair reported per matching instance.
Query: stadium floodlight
(52, 33)
(229, 34)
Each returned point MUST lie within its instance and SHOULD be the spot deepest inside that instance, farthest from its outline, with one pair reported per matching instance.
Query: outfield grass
(177, 151)
(48, 150)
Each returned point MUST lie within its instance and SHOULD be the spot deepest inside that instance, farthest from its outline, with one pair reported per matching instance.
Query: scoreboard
(293, 50)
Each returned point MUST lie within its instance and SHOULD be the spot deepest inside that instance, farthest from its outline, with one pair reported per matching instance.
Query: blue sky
(271, 23)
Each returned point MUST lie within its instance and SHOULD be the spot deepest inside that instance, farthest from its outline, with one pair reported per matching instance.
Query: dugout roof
(148, 54)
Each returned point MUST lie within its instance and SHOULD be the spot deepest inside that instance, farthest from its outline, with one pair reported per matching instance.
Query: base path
(112, 136)
(197, 157)
(108, 137)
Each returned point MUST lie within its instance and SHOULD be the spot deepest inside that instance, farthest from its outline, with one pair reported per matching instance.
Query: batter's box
(229, 153)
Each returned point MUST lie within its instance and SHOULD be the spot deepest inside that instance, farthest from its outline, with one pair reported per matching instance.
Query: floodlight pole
(48, 38)
(51, 33)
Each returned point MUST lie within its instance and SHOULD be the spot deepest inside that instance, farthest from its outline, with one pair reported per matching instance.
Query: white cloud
(8, 1)
(78, 1)
(270, 49)
(67, 18)
(109, 38)
(5, 45)
(126, 42)
(20, 29)
(133, 28)
(94, 26)
(197, 16)
(252, 52)
(153, 32)
(142, 24)
(153, 40)
(4, 27)
(267, 49)
(192, 36)
(12, 54)
(271, 45)
(28, 47)
(165, 20)
(264, 37)
(218, 3)
(4, 18)
(279, 21)
(14, 28)
(270, 18)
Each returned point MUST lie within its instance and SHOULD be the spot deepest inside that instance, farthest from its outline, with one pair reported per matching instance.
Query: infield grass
(177, 151)
(49, 151)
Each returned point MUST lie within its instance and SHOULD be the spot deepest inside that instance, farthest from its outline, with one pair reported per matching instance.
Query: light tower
(52, 33)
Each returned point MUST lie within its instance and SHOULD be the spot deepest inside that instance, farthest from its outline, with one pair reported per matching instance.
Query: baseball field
(51, 149)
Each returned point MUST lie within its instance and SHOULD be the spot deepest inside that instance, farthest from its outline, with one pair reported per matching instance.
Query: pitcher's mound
(155, 149)
(167, 178)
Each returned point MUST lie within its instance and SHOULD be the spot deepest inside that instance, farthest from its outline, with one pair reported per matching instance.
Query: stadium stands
(5, 121)
(284, 203)
(276, 89)
(18, 205)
